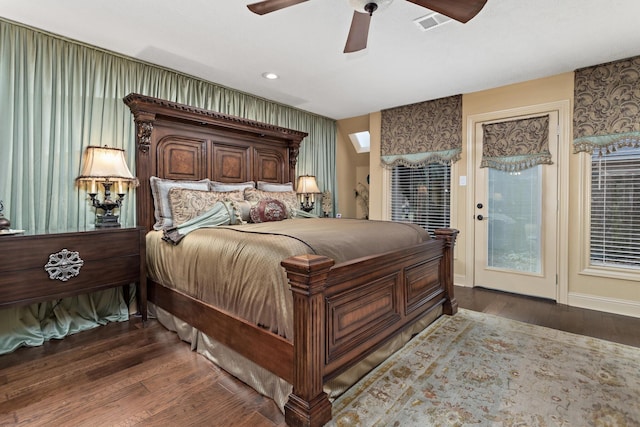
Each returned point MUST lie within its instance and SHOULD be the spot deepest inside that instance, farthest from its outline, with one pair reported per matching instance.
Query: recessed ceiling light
(270, 76)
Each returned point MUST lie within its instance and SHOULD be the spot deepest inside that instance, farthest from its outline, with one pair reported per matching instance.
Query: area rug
(476, 369)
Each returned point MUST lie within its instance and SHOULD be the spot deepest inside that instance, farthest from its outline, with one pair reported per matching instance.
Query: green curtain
(58, 96)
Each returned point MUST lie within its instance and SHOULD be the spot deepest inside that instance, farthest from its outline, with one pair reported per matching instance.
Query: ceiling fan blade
(358, 33)
(267, 6)
(460, 10)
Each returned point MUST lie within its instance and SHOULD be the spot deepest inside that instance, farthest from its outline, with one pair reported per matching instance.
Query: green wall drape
(58, 96)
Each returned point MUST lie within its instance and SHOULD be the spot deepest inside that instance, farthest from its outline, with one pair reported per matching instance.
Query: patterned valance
(418, 134)
(516, 145)
(606, 115)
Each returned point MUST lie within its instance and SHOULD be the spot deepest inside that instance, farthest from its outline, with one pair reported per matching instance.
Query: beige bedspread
(237, 268)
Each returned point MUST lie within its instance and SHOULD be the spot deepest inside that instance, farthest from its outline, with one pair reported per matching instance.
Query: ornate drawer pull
(64, 265)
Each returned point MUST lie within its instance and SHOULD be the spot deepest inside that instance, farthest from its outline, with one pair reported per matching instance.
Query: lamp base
(107, 221)
(306, 207)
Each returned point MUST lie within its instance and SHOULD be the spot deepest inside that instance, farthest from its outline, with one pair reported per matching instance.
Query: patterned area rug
(477, 369)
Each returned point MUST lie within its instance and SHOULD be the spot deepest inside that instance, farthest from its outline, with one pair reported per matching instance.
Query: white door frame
(564, 151)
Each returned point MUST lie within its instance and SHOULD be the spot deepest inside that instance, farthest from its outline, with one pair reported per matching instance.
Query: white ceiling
(221, 41)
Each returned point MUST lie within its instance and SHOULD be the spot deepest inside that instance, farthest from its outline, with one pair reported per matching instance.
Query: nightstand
(44, 267)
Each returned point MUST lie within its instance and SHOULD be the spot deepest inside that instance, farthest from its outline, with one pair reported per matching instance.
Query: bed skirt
(267, 383)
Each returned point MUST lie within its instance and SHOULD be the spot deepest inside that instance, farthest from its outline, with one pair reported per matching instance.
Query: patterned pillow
(187, 204)
(160, 191)
(289, 198)
(272, 186)
(267, 210)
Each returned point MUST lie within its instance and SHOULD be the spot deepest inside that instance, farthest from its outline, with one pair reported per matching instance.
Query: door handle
(480, 205)
(480, 217)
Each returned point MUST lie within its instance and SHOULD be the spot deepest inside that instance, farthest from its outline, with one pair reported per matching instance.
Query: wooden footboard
(344, 312)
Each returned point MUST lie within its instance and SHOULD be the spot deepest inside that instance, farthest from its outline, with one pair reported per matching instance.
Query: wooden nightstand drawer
(34, 284)
(50, 266)
(25, 252)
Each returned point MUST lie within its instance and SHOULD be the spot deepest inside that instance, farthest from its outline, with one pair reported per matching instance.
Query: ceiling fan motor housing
(369, 6)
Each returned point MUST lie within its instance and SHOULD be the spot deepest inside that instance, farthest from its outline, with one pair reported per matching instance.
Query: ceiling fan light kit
(460, 10)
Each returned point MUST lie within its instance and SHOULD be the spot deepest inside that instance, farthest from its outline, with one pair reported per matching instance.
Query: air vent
(430, 21)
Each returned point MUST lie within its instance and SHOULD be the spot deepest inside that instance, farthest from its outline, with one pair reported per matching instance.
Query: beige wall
(351, 166)
(589, 291)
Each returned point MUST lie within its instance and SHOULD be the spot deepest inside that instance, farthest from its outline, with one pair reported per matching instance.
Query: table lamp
(307, 189)
(106, 165)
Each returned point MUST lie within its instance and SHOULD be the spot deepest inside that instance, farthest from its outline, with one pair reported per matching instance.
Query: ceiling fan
(460, 10)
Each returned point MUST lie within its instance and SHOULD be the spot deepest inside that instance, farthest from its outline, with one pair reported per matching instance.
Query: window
(615, 216)
(361, 141)
(421, 195)
(514, 216)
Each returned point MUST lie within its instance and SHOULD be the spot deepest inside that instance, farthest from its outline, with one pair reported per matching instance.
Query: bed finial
(144, 135)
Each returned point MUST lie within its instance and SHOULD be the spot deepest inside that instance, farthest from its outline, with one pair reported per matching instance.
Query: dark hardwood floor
(598, 324)
(124, 375)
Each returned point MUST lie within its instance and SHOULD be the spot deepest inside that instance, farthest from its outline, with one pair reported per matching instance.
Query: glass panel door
(516, 225)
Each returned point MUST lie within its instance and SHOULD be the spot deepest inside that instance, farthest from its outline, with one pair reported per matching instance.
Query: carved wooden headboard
(176, 141)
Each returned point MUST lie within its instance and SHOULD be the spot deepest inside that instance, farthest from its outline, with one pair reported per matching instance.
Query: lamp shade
(307, 185)
(105, 163)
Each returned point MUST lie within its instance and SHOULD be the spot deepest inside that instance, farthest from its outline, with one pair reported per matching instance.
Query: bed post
(448, 236)
(145, 163)
(308, 405)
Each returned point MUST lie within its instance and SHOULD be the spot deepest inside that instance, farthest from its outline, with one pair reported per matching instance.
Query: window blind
(422, 195)
(615, 217)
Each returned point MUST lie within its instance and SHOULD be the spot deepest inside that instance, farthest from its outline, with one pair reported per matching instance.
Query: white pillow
(229, 186)
(272, 186)
(160, 191)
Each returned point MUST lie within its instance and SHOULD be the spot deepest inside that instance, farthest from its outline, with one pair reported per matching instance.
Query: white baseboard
(460, 280)
(590, 302)
(609, 305)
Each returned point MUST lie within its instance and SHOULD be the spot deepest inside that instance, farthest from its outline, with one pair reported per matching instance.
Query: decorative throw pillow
(272, 186)
(289, 198)
(242, 209)
(187, 204)
(224, 186)
(160, 192)
(267, 210)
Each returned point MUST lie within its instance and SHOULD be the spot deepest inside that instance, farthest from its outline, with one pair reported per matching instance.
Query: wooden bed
(342, 313)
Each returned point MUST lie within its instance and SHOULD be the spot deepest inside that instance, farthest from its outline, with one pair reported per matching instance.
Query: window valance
(606, 114)
(419, 134)
(516, 145)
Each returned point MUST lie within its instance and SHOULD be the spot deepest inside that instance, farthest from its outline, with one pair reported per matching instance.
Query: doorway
(516, 218)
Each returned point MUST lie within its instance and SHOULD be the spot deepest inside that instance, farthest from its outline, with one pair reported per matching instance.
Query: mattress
(237, 268)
